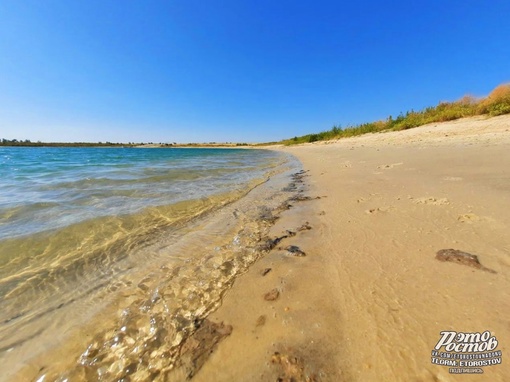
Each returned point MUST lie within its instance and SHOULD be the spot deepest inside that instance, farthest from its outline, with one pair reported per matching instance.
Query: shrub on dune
(498, 102)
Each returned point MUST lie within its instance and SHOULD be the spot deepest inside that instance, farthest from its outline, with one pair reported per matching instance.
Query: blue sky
(233, 70)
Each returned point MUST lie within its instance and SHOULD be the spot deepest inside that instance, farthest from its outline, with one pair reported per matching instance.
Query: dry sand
(369, 299)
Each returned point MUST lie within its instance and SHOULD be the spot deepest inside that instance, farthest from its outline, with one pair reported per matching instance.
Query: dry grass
(497, 103)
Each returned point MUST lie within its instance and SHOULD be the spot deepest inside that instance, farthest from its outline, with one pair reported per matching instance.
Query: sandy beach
(355, 292)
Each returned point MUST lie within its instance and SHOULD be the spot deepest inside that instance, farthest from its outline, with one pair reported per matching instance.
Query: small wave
(25, 209)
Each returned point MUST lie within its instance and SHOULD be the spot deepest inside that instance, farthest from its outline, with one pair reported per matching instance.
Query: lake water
(99, 241)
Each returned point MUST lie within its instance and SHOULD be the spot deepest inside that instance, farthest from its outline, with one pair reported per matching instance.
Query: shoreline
(347, 285)
(370, 299)
(156, 300)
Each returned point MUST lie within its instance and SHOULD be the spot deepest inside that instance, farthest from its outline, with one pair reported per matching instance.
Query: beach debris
(267, 216)
(460, 257)
(272, 295)
(198, 347)
(265, 271)
(300, 198)
(260, 321)
(294, 250)
(305, 227)
(277, 240)
(299, 175)
(292, 368)
(290, 187)
(266, 244)
(228, 268)
(285, 206)
(297, 179)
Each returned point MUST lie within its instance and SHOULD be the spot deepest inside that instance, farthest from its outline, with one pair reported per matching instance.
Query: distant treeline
(497, 103)
(29, 143)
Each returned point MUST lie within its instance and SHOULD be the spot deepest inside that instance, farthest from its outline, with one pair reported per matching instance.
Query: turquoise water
(48, 188)
(100, 241)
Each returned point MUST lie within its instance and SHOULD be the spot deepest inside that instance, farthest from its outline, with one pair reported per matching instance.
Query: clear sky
(234, 70)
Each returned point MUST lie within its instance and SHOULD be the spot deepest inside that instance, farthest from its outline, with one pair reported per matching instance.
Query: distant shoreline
(126, 145)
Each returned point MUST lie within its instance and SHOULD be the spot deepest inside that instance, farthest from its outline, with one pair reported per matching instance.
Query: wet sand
(365, 295)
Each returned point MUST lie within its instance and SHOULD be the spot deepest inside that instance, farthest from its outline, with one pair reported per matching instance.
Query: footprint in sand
(431, 200)
(260, 321)
(388, 166)
(468, 218)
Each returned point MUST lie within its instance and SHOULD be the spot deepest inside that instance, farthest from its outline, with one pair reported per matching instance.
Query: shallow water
(47, 188)
(113, 271)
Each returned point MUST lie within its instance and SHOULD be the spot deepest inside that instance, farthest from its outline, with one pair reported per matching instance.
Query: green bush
(499, 109)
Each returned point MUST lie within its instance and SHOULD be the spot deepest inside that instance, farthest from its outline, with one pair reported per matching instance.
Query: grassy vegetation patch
(497, 103)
